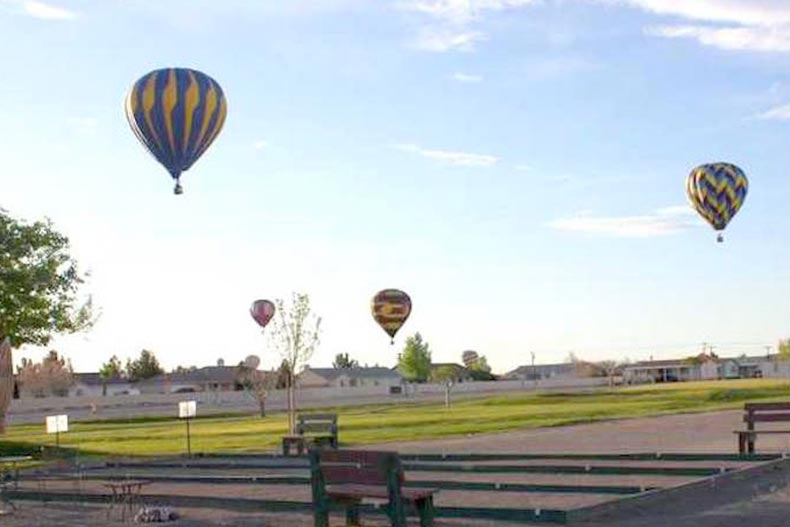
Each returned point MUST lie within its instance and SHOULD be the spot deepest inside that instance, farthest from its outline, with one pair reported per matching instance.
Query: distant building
(348, 377)
(543, 371)
(92, 385)
(706, 367)
(206, 379)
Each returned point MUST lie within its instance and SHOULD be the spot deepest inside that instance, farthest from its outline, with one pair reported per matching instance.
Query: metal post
(189, 441)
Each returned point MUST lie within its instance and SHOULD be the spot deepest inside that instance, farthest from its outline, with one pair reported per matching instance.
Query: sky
(516, 166)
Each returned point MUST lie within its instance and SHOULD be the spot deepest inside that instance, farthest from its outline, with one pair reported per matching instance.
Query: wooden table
(126, 495)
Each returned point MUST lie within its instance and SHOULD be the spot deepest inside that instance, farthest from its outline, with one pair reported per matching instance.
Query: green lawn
(371, 424)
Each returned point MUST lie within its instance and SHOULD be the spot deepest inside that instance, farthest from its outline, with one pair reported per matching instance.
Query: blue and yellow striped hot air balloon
(717, 191)
(176, 113)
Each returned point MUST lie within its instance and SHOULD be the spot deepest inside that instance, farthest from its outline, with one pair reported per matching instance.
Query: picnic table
(125, 495)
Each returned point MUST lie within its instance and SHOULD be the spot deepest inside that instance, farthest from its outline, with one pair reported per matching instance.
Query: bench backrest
(357, 467)
(766, 413)
(317, 423)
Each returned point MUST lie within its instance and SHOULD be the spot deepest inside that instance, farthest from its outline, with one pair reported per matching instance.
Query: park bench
(312, 430)
(346, 477)
(761, 413)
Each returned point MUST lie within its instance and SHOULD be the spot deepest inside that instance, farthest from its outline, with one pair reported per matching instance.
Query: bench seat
(351, 491)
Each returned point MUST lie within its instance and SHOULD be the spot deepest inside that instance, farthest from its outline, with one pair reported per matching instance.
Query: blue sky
(517, 166)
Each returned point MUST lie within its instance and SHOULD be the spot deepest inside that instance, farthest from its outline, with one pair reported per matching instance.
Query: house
(460, 373)
(92, 385)
(662, 371)
(543, 371)
(206, 379)
(348, 377)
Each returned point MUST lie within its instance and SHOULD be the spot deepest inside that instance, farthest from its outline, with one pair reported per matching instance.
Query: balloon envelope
(252, 362)
(717, 192)
(176, 113)
(262, 312)
(469, 357)
(391, 308)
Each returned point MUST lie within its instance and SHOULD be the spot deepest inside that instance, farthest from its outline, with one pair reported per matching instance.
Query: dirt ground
(759, 501)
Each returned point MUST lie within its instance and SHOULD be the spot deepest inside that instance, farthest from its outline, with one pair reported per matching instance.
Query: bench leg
(321, 516)
(426, 511)
(741, 444)
(286, 447)
(352, 514)
(751, 443)
(397, 514)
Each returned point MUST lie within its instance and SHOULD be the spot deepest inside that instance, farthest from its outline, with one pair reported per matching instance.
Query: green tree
(415, 361)
(344, 361)
(295, 334)
(480, 370)
(39, 284)
(145, 367)
(784, 349)
(111, 369)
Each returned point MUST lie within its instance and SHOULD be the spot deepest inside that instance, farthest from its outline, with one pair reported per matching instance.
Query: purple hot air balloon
(262, 312)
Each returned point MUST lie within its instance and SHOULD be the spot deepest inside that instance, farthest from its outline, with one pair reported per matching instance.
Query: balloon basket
(178, 190)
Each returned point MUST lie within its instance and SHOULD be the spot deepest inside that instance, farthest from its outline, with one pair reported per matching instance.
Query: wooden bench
(312, 430)
(346, 477)
(761, 413)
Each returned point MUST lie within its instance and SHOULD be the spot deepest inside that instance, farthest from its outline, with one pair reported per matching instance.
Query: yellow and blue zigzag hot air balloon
(176, 113)
(717, 191)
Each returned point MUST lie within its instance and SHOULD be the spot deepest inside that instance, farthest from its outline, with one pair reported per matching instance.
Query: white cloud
(453, 21)
(447, 39)
(46, 11)
(756, 38)
(665, 221)
(450, 157)
(741, 12)
(465, 77)
(778, 113)
(260, 144)
(752, 25)
(522, 168)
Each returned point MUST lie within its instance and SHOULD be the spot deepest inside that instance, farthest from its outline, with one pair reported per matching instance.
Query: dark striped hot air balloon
(391, 308)
(176, 113)
(717, 191)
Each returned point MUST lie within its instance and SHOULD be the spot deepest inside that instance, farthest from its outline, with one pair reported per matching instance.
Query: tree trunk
(104, 389)
(447, 396)
(6, 380)
(260, 393)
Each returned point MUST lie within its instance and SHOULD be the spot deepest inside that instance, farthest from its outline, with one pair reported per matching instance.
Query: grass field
(371, 424)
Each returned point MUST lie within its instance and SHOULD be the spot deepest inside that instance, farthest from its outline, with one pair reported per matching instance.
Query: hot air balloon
(252, 362)
(262, 312)
(176, 113)
(391, 308)
(717, 191)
